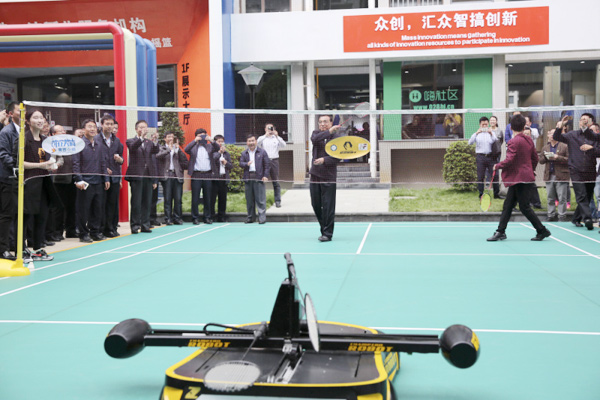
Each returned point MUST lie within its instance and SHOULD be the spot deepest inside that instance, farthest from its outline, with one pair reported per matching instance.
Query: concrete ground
(297, 201)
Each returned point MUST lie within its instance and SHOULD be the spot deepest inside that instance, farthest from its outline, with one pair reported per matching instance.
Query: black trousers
(141, 197)
(90, 207)
(8, 214)
(67, 220)
(322, 198)
(153, 212)
(584, 192)
(201, 181)
(274, 176)
(485, 165)
(172, 190)
(519, 193)
(111, 208)
(219, 189)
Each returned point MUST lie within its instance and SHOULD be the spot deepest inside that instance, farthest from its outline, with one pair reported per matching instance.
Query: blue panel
(228, 73)
(152, 83)
(142, 76)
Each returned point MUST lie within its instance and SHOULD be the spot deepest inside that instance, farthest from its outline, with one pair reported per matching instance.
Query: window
(257, 6)
(432, 86)
(339, 4)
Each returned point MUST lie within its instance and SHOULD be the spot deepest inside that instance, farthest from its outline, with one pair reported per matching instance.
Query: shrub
(460, 168)
(236, 185)
(170, 123)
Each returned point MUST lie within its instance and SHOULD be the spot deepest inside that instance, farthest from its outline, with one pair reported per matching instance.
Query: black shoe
(86, 239)
(115, 233)
(109, 234)
(324, 238)
(552, 218)
(208, 221)
(195, 222)
(541, 235)
(71, 235)
(562, 218)
(589, 224)
(538, 205)
(48, 243)
(146, 230)
(168, 223)
(155, 223)
(7, 255)
(98, 237)
(178, 222)
(135, 231)
(278, 204)
(248, 221)
(577, 223)
(497, 236)
(497, 196)
(262, 222)
(56, 237)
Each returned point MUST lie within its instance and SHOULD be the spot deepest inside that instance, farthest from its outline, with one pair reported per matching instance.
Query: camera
(271, 128)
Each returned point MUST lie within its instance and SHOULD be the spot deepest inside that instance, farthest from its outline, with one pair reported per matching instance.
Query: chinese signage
(444, 99)
(146, 18)
(450, 29)
(63, 145)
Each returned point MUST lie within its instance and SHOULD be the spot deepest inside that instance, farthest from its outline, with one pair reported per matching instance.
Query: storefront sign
(449, 29)
(444, 99)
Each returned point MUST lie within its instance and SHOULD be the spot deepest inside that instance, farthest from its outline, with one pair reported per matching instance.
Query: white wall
(318, 35)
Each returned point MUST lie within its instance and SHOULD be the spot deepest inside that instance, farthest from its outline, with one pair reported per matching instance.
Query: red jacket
(520, 162)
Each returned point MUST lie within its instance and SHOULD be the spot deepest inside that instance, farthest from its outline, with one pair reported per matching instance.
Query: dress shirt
(202, 160)
(106, 139)
(17, 127)
(252, 167)
(553, 149)
(483, 142)
(173, 154)
(271, 144)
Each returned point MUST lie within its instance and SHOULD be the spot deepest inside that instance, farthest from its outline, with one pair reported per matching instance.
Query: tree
(460, 168)
(170, 124)
(236, 184)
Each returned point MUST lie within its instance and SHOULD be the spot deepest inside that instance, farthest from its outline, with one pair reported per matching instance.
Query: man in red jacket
(517, 173)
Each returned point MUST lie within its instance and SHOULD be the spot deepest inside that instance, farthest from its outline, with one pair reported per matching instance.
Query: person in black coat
(222, 166)
(255, 163)
(200, 168)
(172, 162)
(323, 176)
(140, 174)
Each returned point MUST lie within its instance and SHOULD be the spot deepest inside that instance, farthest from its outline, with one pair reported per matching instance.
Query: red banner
(448, 29)
(166, 24)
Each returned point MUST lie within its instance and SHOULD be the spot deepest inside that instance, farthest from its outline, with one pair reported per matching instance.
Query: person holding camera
(222, 166)
(172, 162)
(200, 168)
(555, 156)
(271, 142)
(483, 139)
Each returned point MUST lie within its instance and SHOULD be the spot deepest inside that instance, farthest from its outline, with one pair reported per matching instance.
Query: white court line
(109, 251)
(382, 328)
(575, 233)
(362, 254)
(566, 244)
(364, 239)
(106, 262)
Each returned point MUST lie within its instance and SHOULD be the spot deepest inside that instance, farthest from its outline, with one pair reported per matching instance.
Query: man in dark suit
(113, 150)
(89, 170)
(255, 163)
(9, 141)
(200, 168)
(171, 164)
(517, 174)
(140, 174)
(323, 175)
(222, 166)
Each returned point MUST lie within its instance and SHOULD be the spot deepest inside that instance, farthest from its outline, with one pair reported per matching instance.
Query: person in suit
(222, 166)
(9, 140)
(323, 176)
(517, 173)
(555, 156)
(255, 163)
(172, 161)
(113, 150)
(200, 168)
(89, 169)
(140, 174)
(582, 165)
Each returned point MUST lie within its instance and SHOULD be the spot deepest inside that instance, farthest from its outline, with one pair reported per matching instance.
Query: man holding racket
(323, 175)
(517, 173)
(484, 138)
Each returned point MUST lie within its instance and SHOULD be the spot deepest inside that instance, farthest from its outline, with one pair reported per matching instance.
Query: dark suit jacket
(326, 172)
(582, 164)
(520, 162)
(261, 161)
(116, 147)
(141, 162)
(192, 150)
(561, 166)
(9, 146)
(180, 162)
(217, 164)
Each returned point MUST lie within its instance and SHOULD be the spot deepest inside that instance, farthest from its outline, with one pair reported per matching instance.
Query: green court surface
(534, 305)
